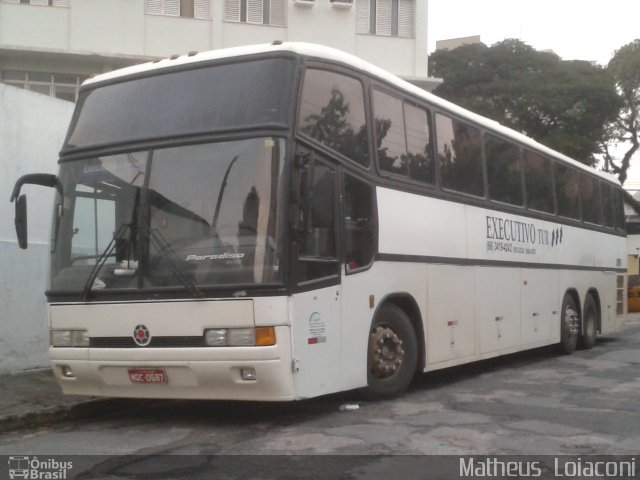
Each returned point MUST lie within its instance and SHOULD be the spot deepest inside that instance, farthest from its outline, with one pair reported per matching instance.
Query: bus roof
(331, 54)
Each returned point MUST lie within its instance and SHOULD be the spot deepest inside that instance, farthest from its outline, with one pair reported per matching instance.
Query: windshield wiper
(165, 249)
(101, 260)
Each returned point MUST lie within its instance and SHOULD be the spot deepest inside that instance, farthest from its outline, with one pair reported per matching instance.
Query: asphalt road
(533, 403)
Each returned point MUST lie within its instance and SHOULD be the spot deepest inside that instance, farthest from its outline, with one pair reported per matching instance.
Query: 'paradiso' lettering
(222, 256)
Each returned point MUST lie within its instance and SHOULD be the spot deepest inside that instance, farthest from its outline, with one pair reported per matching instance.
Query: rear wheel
(589, 323)
(392, 354)
(569, 325)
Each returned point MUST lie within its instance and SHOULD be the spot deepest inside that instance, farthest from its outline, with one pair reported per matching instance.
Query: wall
(32, 129)
(104, 31)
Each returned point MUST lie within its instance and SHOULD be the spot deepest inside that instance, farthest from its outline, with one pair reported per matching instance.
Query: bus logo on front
(141, 335)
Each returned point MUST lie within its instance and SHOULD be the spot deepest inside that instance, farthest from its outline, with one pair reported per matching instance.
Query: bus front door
(316, 319)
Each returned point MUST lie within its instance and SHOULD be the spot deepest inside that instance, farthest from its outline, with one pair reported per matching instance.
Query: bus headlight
(216, 337)
(240, 337)
(69, 338)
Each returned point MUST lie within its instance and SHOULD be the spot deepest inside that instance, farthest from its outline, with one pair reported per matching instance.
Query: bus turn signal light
(265, 336)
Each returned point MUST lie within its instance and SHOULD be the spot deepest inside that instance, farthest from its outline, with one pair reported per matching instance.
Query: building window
(64, 87)
(389, 18)
(46, 3)
(261, 12)
(199, 9)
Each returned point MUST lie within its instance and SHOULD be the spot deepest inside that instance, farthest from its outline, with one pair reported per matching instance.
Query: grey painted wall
(32, 129)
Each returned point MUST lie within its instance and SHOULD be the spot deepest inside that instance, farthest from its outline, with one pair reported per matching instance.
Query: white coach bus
(283, 221)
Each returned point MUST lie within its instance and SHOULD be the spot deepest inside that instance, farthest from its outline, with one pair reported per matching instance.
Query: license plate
(147, 375)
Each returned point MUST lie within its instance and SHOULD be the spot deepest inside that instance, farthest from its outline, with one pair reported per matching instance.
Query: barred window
(390, 18)
(261, 12)
(198, 9)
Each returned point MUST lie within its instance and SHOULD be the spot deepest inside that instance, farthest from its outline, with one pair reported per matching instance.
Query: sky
(574, 29)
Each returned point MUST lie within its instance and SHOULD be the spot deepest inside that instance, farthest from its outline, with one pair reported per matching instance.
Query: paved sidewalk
(34, 397)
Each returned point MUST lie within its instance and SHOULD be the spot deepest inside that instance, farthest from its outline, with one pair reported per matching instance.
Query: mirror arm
(44, 179)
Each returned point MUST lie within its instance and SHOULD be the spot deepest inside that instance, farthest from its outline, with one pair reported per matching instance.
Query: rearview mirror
(44, 179)
(21, 221)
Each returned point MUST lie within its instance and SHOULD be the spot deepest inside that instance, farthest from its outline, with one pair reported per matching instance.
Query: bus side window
(538, 182)
(567, 191)
(618, 212)
(459, 156)
(359, 223)
(332, 112)
(419, 146)
(503, 170)
(607, 204)
(591, 206)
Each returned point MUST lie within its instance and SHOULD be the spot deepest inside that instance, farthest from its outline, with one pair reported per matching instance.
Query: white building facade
(51, 46)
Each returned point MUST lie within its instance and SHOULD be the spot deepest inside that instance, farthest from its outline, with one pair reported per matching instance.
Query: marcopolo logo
(38, 469)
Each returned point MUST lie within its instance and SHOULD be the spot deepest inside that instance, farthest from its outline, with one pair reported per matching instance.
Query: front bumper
(191, 373)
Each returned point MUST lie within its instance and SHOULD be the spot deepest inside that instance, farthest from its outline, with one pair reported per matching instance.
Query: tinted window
(317, 251)
(183, 103)
(459, 155)
(389, 132)
(359, 223)
(607, 204)
(567, 191)
(590, 194)
(419, 149)
(618, 209)
(503, 170)
(537, 181)
(332, 112)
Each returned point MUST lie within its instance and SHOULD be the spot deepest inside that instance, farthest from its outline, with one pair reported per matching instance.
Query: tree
(624, 67)
(565, 105)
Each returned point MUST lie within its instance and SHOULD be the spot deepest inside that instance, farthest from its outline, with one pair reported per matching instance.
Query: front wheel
(392, 354)
(569, 325)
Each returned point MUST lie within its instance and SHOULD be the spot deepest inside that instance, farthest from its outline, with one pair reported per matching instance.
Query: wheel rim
(387, 352)
(571, 321)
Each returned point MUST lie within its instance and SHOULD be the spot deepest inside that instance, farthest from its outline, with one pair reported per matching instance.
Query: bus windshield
(189, 216)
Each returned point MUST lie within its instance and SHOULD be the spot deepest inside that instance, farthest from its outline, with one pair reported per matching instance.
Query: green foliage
(565, 105)
(624, 67)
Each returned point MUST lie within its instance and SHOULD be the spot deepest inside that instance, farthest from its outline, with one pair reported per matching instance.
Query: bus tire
(392, 354)
(589, 323)
(569, 325)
